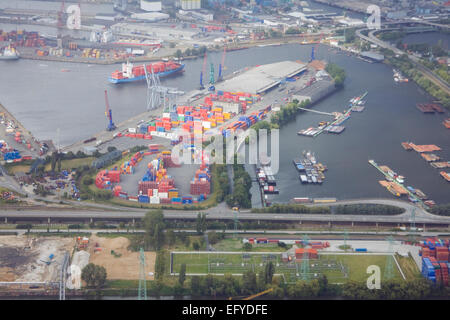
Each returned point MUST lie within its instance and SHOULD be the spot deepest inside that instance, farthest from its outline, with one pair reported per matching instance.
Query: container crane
(61, 15)
(222, 65)
(211, 78)
(111, 126)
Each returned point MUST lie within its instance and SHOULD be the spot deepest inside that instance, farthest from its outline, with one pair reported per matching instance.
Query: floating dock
(424, 147)
(395, 187)
(445, 175)
(430, 108)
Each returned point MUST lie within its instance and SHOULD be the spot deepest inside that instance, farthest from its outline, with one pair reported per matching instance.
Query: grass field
(409, 267)
(230, 244)
(73, 163)
(337, 268)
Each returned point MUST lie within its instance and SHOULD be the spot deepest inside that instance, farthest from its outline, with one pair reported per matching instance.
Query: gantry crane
(108, 114)
(222, 65)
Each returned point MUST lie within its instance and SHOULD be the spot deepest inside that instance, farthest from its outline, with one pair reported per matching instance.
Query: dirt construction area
(27, 259)
(120, 263)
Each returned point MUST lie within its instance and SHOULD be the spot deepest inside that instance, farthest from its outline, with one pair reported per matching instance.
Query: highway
(223, 213)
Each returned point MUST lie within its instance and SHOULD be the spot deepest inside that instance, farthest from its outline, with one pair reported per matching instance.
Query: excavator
(253, 296)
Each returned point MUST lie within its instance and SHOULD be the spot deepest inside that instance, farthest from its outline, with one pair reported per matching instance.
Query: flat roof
(262, 78)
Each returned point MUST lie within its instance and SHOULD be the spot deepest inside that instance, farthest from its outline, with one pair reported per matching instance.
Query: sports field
(337, 268)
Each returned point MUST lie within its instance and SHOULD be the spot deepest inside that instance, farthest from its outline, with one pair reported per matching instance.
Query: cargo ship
(9, 53)
(131, 73)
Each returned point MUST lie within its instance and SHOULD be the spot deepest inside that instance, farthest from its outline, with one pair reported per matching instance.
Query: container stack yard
(435, 260)
(156, 186)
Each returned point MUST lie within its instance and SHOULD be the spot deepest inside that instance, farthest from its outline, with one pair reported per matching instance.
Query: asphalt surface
(223, 213)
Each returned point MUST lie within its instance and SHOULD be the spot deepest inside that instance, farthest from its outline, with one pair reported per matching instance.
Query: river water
(43, 98)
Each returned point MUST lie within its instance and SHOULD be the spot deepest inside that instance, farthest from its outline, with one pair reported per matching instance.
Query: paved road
(278, 233)
(223, 213)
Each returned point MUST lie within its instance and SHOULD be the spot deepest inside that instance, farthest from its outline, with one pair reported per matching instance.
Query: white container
(163, 194)
(154, 200)
(155, 192)
(132, 130)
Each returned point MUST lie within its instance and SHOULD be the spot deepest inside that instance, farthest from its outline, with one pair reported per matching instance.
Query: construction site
(32, 261)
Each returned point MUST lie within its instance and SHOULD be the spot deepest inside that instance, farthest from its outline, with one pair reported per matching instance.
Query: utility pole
(142, 294)
(412, 228)
(305, 260)
(389, 269)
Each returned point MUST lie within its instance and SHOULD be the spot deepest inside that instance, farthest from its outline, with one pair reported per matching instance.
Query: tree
(154, 229)
(94, 275)
(249, 285)
(201, 223)
(111, 148)
(269, 270)
(247, 246)
(178, 54)
(213, 237)
(159, 266)
(171, 238)
(182, 275)
(196, 246)
(195, 286)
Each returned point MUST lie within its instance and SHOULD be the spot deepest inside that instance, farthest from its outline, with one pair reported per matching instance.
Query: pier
(400, 185)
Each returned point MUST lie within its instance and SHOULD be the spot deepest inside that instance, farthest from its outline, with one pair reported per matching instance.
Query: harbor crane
(158, 94)
(222, 65)
(111, 126)
(211, 78)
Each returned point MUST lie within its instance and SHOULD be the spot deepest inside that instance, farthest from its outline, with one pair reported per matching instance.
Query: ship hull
(140, 78)
(9, 57)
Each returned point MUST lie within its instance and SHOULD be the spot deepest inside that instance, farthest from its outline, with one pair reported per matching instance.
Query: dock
(335, 126)
(395, 186)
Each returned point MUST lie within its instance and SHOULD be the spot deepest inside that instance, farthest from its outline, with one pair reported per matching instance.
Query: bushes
(441, 210)
(291, 208)
(287, 113)
(337, 73)
(368, 209)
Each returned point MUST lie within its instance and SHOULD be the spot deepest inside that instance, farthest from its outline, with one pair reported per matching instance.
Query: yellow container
(166, 152)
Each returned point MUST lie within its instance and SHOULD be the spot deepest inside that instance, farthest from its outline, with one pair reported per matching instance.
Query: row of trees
(405, 65)
(288, 112)
(221, 182)
(251, 283)
(442, 210)
(189, 52)
(367, 209)
(291, 208)
(242, 183)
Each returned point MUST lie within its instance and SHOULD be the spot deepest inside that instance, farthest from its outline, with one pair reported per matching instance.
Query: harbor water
(43, 98)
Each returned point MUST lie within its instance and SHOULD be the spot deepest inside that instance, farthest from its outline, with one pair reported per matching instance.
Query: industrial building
(373, 56)
(190, 4)
(315, 91)
(151, 6)
(262, 78)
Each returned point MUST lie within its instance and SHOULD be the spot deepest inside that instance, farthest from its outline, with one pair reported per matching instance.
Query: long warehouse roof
(261, 78)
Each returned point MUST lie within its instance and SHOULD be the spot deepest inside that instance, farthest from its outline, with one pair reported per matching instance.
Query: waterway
(43, 98)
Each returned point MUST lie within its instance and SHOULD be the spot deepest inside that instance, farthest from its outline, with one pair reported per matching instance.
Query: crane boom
(108, 114)
(258, 294)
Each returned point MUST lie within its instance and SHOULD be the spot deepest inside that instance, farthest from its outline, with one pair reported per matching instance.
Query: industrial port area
(224, 150)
